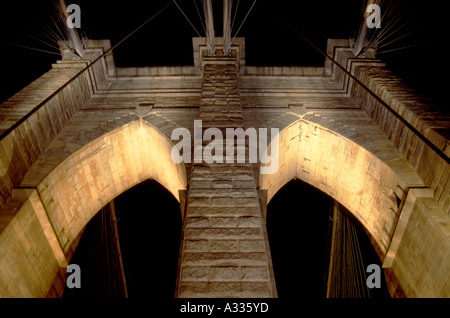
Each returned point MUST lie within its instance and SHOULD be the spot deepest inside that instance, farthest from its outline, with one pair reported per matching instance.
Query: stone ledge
(224, 274)
(225, 290)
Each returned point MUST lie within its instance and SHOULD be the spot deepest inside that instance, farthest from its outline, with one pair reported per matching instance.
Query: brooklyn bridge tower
(87, 131)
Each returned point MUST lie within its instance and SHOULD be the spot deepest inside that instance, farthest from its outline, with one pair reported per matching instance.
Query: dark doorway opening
(297, 227)
(299, 223)
(149, 230)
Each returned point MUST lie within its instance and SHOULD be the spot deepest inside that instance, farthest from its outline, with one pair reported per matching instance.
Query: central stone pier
(224, 249)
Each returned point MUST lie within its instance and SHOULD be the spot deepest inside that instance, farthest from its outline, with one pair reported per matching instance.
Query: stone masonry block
(224, 273)
(249, 221)
(254, 273)
(223, 222)
(251, 246)
(225, 258)
(223, 211)
(196, 245)
(246, 202)
(225, 289)
(196, 183)
(256, 290)
(193, 290)
(223, 201)
(199, 201)
(197, 222)
(224, 246)
(194, 273)
(244, 193)
(244, 184)
(227, 184)
(223, 233)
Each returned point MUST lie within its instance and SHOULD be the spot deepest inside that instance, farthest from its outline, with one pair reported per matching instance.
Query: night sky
(167, 40)
(149, 227)
(299, 231)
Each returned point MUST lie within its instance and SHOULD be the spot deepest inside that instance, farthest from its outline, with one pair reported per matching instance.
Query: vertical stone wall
(32, 118)
(419, 257)
(29, 255)
(417, 129)
(225, 251)
(417, 260)
(426, 119)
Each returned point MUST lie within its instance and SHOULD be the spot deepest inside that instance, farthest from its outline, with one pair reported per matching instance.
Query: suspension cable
(346, 277)
(200, 16)
(235, 13)
(436, 149)
(187, 18)
(246, 16)
(24, 118)
(30, 48)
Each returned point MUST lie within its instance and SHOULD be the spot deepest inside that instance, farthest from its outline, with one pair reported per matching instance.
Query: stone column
(225, 252)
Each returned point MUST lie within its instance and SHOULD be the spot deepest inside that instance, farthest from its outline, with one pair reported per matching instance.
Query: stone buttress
(225, 251)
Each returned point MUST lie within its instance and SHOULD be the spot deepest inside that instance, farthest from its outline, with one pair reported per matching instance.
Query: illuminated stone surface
(110, 129)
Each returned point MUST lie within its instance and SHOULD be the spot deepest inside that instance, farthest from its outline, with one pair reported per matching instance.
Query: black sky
(149, 230)
(299, 232)
(167, 39)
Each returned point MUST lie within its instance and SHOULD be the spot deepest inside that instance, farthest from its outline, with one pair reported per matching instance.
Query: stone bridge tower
(78, 137)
